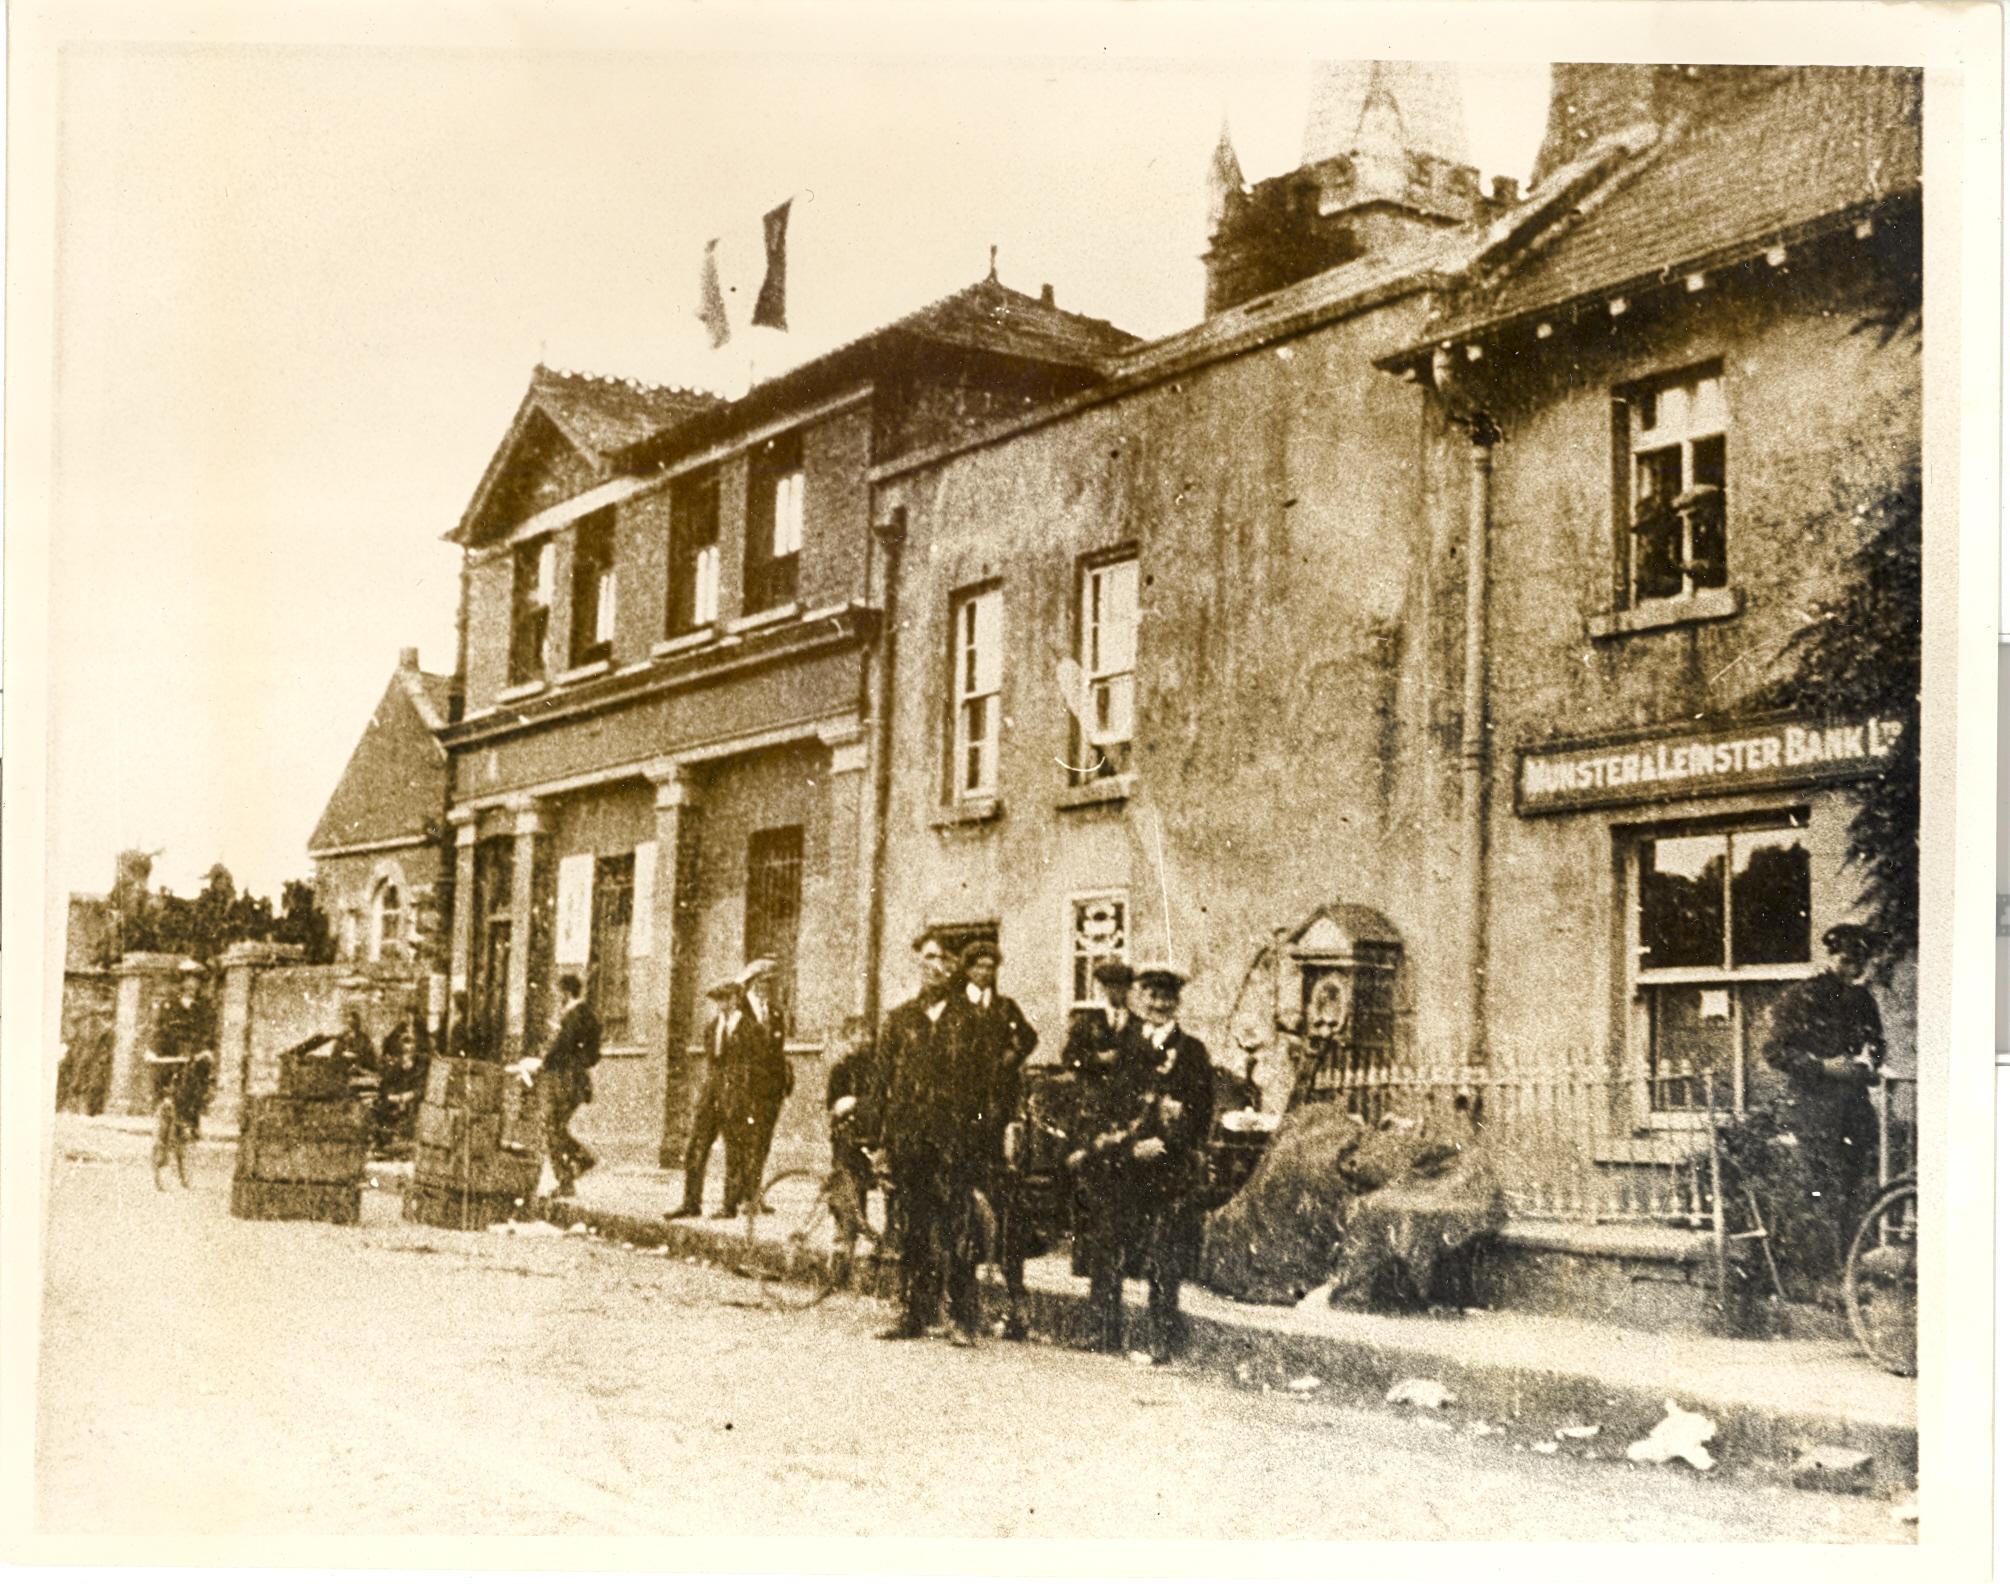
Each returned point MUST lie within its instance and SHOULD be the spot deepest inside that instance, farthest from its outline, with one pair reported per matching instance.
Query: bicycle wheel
(164, 1143)
(802, 1262)
(1881, 1280)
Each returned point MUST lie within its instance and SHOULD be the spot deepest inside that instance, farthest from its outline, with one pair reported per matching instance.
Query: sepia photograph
(798, 774)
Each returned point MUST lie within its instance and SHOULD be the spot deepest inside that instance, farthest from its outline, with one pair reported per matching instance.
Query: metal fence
(1587, 1143)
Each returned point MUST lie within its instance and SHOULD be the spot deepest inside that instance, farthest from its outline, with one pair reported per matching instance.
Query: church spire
(1224, 179)
(1386, 107)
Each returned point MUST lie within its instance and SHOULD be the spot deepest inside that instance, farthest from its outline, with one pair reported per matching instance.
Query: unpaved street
(204, 1375)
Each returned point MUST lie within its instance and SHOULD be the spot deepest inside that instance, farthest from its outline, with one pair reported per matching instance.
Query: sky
(300, 292)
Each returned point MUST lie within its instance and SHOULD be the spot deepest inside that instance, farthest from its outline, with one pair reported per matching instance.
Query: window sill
(1099, 793)
(586, 672)
(683, 643)
(766, 618)
(970, 811)
(521, 690)
(1656, 615)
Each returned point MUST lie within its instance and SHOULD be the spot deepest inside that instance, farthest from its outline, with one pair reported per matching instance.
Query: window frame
(1078, 970)
(609, 974)
(386, 927)
(530, 604)
(692, 604)
(961, 695)
(767, 854)
(593, 590)
(1641, 983)
(1111, 758)
(773, 571)
(1627, 451)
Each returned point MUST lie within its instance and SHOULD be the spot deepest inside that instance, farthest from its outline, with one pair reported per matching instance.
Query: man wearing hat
(1163, 1166)
(769, 1078)
(1090, 1054)
(1827, 1041)
(1004, 1039)
(720, 1100)
(935, 1119)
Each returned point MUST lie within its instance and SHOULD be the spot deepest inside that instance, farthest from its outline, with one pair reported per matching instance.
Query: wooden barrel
(301, 1158)
(470, 1166)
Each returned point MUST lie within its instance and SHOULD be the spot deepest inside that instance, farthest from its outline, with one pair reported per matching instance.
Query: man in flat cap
(1090, 1057)
(934, 1120)
(1164, 1165)
(1827, 1041)
(1004, 1038)
(720, 1100)
(770, 1078)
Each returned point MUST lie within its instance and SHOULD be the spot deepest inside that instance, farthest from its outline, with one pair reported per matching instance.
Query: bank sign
(1684, 764)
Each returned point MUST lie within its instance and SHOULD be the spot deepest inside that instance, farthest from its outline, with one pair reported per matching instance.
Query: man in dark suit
(719, 1097)
(1174, 1080)
(1003, 1038)
(933, 1114)
(770, 1080)
(564, 1079)
(1090, 1055)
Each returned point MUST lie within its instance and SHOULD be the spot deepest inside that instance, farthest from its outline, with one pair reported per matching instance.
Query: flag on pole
(771, 307)
(711, 300)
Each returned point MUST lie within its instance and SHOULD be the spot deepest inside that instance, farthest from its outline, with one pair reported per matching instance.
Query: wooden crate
(506, 1173)
(268, 1201)
(455, 1211)
(284, 1116)
(455, 1083)
(449, 1128)
(268, 1156)
(522, 1120)
(314, 1077)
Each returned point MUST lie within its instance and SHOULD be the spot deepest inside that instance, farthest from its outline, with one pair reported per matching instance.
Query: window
(694, 554)
(978, 666)
(1675, 487)
(774, 522)
(1099, 932)
(1109, 634)
(593, 589)
(387, 923)
(488, 1003)
(530, 611)
(607, 959)
(775, 907)
(1722, 923)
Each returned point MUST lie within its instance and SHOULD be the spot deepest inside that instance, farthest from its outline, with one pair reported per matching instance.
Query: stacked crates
(475, 1150)
(302, 1152)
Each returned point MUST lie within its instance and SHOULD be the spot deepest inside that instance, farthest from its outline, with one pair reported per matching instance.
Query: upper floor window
(774, 522)
(978, 662)
(1109, 646)
(1675, 486)
(530, 610)
(694, 553)
(593, 589)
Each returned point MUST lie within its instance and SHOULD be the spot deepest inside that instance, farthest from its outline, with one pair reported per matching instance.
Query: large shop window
(1109, 642)
(694, 554)
(1723, 924)
(1098, 932)
(774, 522)
(1674, 545)
(775, 907)
(978, 675)
(607, 959)
(488, 1004)
(593, 589)
(530, 611)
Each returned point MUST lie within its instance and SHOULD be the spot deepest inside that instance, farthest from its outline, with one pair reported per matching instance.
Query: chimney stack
(1046, 294)
(408, 659)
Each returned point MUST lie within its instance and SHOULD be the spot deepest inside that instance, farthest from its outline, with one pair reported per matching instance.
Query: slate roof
(603, 413)
(987, 317)
(1791, 151)
(394, 785)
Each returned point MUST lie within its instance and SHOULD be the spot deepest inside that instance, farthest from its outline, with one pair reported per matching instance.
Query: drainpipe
(892, 537)
(1475, 754)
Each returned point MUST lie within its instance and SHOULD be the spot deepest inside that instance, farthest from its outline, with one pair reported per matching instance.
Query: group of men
(940, 1097)
(747, 1079)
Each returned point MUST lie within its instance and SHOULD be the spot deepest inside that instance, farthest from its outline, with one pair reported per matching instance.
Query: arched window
(387, 921)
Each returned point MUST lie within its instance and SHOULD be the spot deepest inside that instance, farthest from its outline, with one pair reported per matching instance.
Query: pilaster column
(850, 868)
(524, 1001)
(672, 957)
(461, 927)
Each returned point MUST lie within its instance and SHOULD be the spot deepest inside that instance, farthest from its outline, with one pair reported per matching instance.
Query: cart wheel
(800, 1266)
(1881, 1280)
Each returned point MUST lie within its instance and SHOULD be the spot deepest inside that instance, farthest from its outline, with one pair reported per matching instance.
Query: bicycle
(1881, 1279)
(828, 1240)
(171, 1134)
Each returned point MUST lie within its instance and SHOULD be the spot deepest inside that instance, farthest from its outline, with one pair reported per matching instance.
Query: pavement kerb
(1754, 1441)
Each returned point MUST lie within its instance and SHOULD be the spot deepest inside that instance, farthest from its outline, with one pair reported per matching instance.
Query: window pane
(1706, 407)
(603, 625)
(1112, 711)
(1692, 1036)
(705, 586)
(1682, 902)
(1769, 897)
(1119, 617)
(988, 663)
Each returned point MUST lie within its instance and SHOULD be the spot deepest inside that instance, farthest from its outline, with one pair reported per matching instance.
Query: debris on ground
(577, 1229)
(1476, 1428)
(1304, 1383)
(530, 1229)
(1679, 1436)
(1578, 1432)
(1318, 1300)
(1420, 1393)
(1840, 1471)
(1546, 1448)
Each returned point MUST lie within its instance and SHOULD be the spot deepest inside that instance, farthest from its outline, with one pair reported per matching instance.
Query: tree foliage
(217, 917)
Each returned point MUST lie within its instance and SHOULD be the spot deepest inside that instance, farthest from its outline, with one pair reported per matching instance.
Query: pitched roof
(394, 785)
(987, 317)
(1768, 156)
(601, 413)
